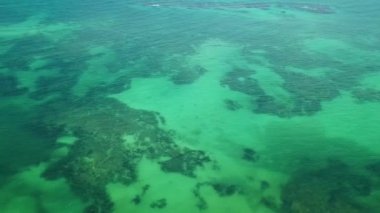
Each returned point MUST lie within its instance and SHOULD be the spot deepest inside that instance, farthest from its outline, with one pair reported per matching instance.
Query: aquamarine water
(189, 106)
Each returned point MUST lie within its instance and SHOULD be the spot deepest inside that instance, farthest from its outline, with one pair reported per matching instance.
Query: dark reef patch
(23, 144)
(118, 85)
(224, 190)
(241, 80)
(24, 51)
(264, 185)
(47, 86)
(250, 155)
(374, 168)
(306, 92)
(9, 86)
(138, 198)
(232, 105)
(101, 156)
(187, 75)
(366, 95)
(334, 188)
(185, 162)
(266, 104)
(270, 203)
(308, 87)
(159, 204)
(201, 201)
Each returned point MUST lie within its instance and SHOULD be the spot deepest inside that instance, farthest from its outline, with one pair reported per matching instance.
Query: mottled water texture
(189, 106)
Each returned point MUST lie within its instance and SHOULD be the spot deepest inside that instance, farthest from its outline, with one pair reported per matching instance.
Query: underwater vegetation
(101, 155)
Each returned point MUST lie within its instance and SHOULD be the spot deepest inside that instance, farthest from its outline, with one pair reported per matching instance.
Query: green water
(189, 106)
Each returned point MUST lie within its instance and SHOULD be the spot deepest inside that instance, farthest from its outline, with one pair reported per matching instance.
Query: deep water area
(189, 106)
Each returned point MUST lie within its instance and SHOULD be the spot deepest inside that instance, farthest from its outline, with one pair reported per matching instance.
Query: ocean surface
(189, 106)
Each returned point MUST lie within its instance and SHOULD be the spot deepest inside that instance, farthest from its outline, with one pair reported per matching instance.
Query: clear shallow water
(133, 106)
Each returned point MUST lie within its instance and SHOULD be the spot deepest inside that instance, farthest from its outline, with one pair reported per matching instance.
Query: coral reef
(185, 162)
(366, 95)
(100, 156)
(241, 80)
(330, 189)
(188, 75)
(308, 92)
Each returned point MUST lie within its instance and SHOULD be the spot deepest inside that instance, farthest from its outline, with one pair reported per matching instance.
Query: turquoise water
(189, 106)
